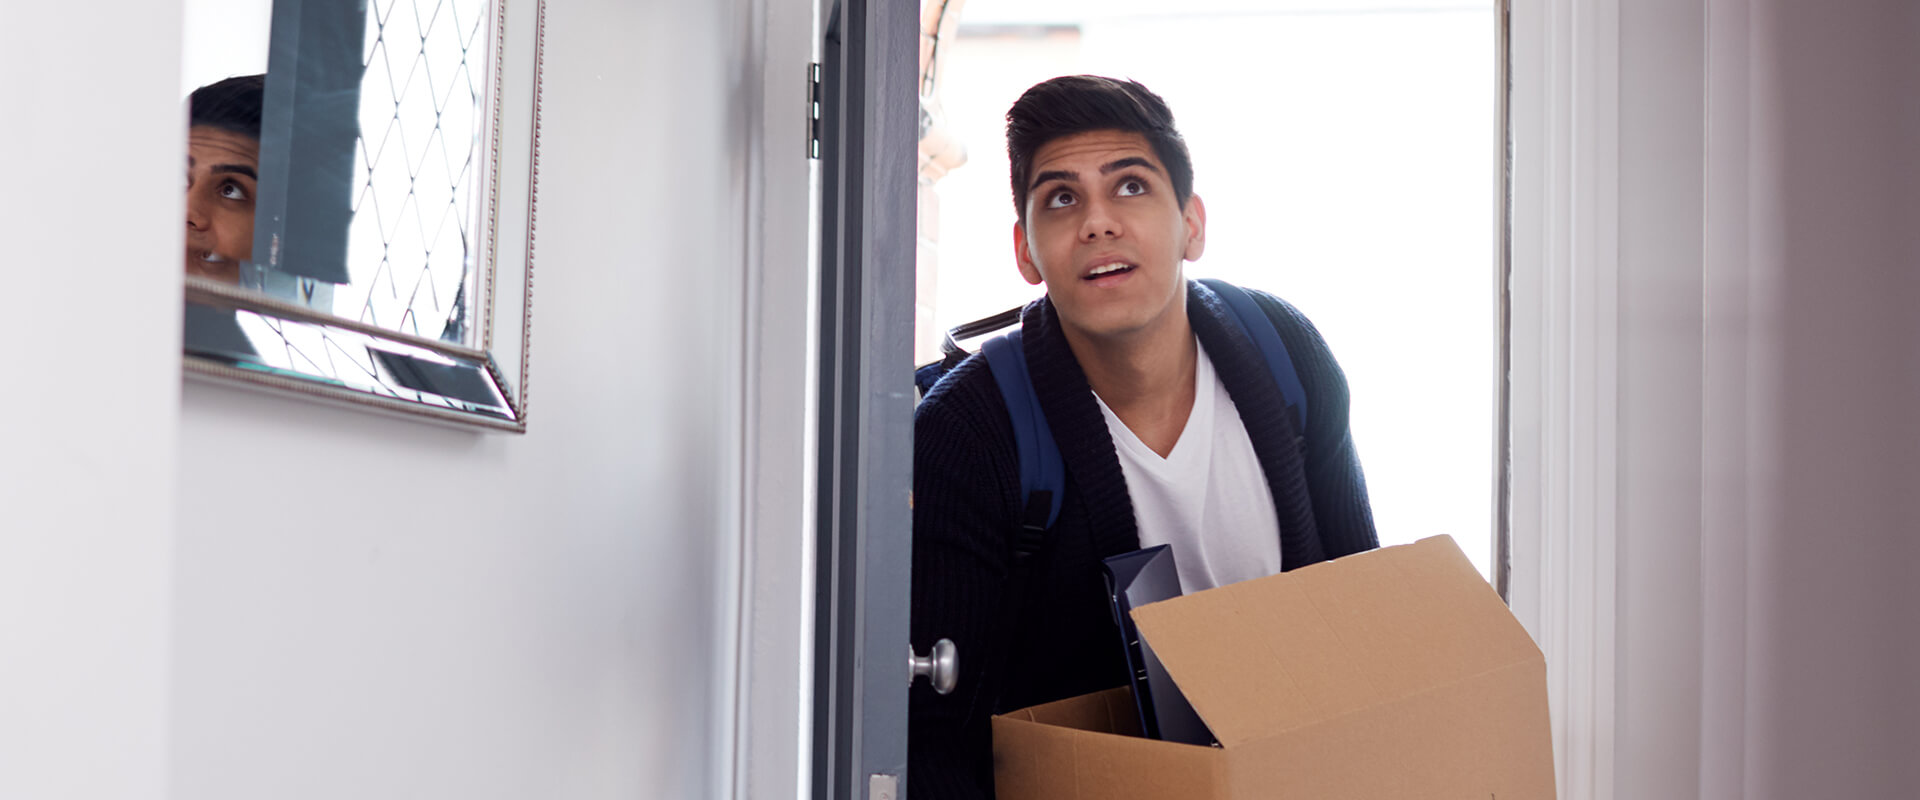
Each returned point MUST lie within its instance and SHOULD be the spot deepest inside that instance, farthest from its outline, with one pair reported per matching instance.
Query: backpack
(1042, 475)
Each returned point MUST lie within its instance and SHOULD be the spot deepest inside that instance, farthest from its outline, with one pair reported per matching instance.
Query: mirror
(356, 174)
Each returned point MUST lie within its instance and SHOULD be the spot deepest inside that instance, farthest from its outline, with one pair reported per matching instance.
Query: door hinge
(814, 110)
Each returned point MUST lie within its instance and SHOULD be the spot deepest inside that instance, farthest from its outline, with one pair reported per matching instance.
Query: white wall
(211, 593)
(1770, 372)
(90, 209)
(472, 615)
(1834, 635)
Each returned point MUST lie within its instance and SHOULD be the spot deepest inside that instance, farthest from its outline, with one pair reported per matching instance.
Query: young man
(223, 163)
(1170, 425)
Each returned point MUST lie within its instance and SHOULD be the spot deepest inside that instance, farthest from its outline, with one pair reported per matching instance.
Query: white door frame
(769, 752)
(1564, 151)
(1563, 402)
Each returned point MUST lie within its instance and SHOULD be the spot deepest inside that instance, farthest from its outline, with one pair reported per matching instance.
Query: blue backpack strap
(1259, 327)
(1042, 475)
(926, 376)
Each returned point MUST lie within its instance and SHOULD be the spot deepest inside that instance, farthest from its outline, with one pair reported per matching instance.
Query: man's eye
(1059, 200)
(233, 191)
(1130, 188)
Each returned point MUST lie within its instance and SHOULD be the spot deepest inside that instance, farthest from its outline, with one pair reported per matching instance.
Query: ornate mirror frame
(404, 374)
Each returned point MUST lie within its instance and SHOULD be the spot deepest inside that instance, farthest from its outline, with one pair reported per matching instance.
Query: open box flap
(1264, 656)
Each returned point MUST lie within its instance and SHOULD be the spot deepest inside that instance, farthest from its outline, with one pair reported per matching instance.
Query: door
(867, 147)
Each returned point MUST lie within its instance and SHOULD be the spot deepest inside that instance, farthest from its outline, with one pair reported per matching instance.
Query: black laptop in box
(1133, 580)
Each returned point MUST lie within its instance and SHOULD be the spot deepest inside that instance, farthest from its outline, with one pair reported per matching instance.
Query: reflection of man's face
(222, 173)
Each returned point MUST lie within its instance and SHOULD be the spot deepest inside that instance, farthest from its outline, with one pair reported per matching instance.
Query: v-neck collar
(1087, 448)
(1190, 450)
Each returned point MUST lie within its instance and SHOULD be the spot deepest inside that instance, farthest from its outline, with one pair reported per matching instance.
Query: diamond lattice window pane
(410, 243)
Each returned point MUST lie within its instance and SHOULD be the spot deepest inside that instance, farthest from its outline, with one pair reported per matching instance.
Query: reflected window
(342, 160)
(339, 225)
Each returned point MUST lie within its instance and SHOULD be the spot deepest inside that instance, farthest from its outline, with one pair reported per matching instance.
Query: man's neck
(1145, 377)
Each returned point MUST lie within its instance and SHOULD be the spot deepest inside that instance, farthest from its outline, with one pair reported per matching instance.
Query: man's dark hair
(1080, 103)
(232, 105)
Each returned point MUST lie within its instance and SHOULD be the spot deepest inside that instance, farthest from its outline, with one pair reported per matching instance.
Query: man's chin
(1109, 323)
(1117, 322)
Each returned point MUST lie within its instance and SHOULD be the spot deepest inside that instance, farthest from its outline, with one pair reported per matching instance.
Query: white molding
(1729, 500)
(1565, 378)
(769, 754)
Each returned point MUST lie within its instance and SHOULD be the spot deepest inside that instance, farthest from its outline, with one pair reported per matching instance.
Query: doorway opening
(1349, 154)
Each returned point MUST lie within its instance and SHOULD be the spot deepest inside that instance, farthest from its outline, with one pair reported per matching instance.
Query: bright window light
(1346, 152)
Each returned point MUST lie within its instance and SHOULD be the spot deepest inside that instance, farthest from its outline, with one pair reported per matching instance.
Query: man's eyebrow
(1052, 175)
(239, 169)
(1130, 161)
(1105, 169)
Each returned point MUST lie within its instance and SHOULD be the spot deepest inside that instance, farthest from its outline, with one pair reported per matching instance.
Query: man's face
(222, 173)
(1106, 234)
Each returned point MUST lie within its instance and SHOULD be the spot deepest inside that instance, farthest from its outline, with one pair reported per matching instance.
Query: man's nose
(196, 212)
(1099, 222)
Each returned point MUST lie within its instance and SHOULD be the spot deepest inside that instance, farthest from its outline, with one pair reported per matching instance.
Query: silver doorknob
(941, 667)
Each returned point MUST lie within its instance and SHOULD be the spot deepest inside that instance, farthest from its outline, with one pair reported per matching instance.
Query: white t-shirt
(1208, 498)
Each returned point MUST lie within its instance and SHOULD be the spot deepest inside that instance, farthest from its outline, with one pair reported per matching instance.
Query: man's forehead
(214, 142)
(1095, 148)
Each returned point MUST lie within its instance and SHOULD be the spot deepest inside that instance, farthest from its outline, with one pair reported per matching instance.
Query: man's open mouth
(1105, 270)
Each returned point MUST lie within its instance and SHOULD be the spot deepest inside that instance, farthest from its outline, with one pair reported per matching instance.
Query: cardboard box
(1396, 673)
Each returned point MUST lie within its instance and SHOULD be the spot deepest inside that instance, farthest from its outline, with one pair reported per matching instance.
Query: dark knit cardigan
(967, 503)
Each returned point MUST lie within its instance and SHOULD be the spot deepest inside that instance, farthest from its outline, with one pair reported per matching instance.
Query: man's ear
(1195, 217)
(1023, 255)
